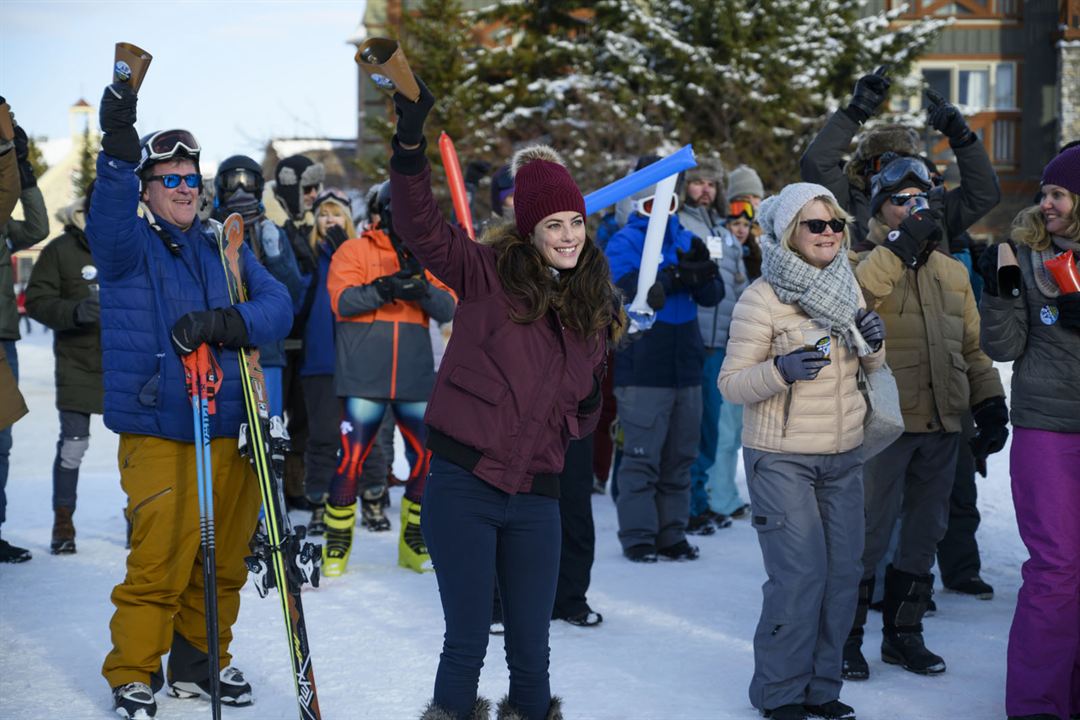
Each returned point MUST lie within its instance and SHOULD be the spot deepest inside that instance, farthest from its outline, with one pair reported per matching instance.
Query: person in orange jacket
(383, 301)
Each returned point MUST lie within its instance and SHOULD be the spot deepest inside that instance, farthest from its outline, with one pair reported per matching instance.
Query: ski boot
(317, 524)
(339, 537)
(134, 701)
(412, 550)
(373, 504)
(855, 666)
(235, 691)
(906, 599)
(63, 532)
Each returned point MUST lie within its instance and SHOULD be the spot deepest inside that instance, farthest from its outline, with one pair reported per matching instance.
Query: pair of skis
(282, 559)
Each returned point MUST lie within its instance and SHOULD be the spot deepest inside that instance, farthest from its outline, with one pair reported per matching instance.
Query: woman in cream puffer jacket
(802, 437)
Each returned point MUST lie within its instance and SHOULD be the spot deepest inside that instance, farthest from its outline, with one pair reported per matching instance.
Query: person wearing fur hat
(799, 336)
(712, 506)
(520, 377)
(1032, 320)
(851, 182)
(658, 383)
(929, 308)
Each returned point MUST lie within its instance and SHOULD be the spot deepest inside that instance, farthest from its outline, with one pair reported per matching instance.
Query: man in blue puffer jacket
(658, 385)
(163, 293)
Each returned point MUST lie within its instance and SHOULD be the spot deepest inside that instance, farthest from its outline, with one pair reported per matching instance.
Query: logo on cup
(89, 272)
(122, 71)
(824, 345)
(382, 81)
(1048, 314)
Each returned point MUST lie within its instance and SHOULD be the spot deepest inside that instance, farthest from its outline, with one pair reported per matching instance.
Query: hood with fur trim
(896, 138)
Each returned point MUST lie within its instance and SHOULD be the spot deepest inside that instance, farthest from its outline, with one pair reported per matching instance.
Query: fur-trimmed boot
(481, 711)
(506, 711)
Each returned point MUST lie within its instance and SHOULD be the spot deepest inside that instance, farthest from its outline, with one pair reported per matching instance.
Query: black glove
(385, 286)
(223, 326)
(870, 92)
(411, 115)
(944, 117)
(1068, 305)
(871, 327)
(1005, 282)
(916, 238)
(800, 364)
(669, 279)
(335, 236)
(695, 266)
(991, 417)
(22, 158)
(117, 120)
(87, 311)
(476, 171)
(656, 297)
(409, 287)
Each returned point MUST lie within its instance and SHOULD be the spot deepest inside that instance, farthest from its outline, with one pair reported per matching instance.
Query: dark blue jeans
(474, 533)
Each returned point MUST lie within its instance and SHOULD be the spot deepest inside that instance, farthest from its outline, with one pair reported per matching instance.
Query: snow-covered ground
(675, 641)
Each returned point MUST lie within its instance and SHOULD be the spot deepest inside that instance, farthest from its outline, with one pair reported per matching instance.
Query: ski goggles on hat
(166, 144)
(332, 194)
(898, 167)
(818, 226)
(239, 179)
(645, 205)
(173, 180)
(741, 208)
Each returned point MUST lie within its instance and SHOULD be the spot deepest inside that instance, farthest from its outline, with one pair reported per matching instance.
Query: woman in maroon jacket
(520, 377)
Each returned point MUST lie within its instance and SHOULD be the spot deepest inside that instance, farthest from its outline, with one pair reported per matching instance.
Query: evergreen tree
(35, 157)
(87, 169)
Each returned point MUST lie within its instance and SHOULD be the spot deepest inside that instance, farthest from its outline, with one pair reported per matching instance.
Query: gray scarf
(830, 293)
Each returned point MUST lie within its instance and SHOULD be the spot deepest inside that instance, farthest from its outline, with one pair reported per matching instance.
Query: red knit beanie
(1063, 170)
(542, 186)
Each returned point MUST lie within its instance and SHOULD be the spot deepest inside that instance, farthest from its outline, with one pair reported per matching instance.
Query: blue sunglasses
(172, 180)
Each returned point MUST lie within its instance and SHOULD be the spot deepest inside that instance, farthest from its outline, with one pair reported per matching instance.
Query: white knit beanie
(777, 211)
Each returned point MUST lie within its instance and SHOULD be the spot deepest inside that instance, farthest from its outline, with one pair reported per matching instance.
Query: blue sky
(233, 72)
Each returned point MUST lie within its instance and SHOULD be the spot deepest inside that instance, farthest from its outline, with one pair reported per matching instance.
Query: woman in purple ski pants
(1031, 316)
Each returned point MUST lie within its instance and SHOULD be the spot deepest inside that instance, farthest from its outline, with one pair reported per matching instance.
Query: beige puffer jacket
(823, 416)
(932, 336)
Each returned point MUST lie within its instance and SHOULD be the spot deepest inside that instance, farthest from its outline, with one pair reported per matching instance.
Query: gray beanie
(777, 211)
(744, 180)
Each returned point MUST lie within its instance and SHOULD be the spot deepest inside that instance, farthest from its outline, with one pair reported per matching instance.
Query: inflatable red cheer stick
(456, 182)
(1063, 268)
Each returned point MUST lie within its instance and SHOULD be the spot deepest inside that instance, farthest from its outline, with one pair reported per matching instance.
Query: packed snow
(675, 641)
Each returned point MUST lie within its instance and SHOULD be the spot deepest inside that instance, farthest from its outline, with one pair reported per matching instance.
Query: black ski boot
(13, 553)
(855, 666)
(373, 504)
(906, 599)
(134, 701)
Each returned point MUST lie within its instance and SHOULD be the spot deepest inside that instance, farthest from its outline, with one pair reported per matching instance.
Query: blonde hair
(338, 210)
(835, 210)
(1029, 226)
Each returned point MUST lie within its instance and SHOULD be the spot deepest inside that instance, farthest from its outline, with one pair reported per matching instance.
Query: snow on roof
(284, 147)
(55, 150)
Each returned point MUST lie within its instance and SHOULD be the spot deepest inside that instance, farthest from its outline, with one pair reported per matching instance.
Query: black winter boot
(481, 711)
(506, 711)
(906, 599)
(855, 666)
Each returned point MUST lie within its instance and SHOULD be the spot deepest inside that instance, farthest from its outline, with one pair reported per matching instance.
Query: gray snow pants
(661, 428)
(912, 480)
(808, 511)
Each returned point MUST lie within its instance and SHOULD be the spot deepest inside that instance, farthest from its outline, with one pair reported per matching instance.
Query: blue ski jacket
(670, 353)
(319, 329)
(145, 287)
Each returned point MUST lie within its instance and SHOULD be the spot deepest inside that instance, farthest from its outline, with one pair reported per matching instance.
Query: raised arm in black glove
(871, 327)
(800, 364)
(1068, 305)
(944, 117)
(411, 115)
(991, 418)
(22, 158)
(915, 239)
(1006, 282)
(223, 326)
(87, 311)
(695, 266)
(870, 92)
(117, 120)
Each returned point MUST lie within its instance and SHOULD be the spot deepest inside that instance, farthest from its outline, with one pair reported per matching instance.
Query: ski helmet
(166, 145)
(238, 172)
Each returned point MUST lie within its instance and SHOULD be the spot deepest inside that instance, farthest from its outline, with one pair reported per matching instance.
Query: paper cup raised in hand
(384, 60)
(7, 130)
(130, 64)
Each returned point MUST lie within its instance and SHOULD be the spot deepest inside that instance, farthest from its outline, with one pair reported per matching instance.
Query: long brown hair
(582, 297)
(1029, 226)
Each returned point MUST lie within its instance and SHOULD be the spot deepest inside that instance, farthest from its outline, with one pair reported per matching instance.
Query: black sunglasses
(818, 226)
(172, 180)
(310, 189)
(902, 199)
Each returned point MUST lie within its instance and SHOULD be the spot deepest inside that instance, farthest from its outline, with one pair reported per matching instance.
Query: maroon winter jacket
(508, 396)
